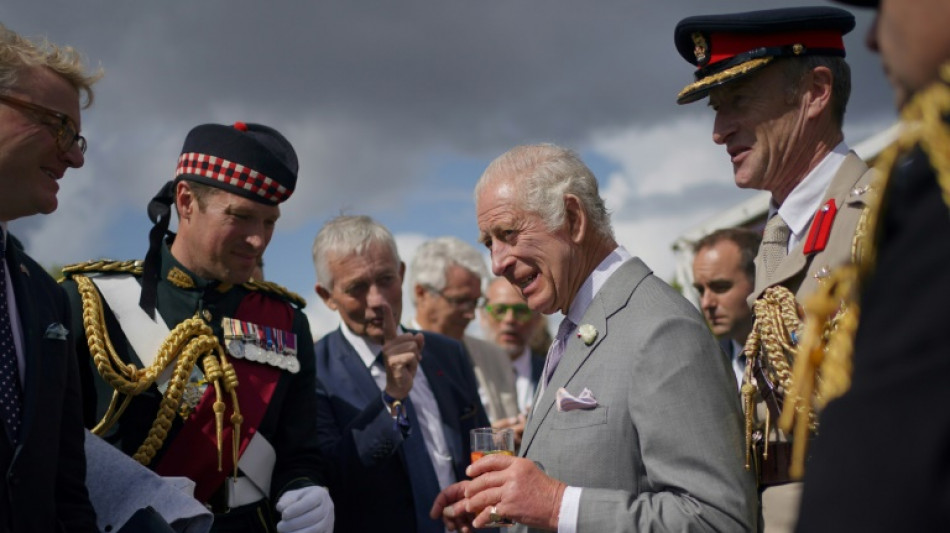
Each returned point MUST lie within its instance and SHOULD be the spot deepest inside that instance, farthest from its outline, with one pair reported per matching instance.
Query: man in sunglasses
(510, 323)
(42, 487)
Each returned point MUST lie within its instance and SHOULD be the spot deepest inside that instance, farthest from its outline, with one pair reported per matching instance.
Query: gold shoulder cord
(189, 340)
(831, 314)
(776, 321)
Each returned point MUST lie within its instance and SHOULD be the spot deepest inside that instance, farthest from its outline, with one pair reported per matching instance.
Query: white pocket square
(568, 402)
(56, 331)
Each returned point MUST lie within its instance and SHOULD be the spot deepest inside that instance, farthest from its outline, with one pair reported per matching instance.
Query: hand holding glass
(489, 441)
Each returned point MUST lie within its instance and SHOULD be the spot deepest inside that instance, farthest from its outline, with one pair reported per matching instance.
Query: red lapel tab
(820, 228)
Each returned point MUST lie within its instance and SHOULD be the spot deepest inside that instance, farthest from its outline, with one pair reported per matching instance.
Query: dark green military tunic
(288, 423)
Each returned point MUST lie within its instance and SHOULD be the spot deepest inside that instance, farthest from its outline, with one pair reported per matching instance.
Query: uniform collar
(180, 276)
(799, 208)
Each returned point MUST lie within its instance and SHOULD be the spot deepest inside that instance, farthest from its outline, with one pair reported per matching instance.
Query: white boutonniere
(587, 333)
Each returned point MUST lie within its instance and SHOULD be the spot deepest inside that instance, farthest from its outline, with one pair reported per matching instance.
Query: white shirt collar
(799, 208)
(595, 281)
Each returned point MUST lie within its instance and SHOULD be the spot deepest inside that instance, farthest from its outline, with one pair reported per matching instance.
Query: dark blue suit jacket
(42, 486)
(369, 480)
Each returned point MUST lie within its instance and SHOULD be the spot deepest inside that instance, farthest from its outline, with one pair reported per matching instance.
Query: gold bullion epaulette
(280, 291)
(104, 266)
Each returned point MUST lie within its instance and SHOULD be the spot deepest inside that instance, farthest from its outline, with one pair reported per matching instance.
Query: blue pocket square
(56, 331)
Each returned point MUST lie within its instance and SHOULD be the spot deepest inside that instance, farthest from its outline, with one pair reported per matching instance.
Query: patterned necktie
(556, 351)
(9, 369)
(422, 477)
(774, 244)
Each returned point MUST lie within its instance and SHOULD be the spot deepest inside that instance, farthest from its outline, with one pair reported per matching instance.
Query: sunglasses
(63, 127)
(520, 311)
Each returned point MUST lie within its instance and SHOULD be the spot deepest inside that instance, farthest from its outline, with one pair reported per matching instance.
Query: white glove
(305, 510)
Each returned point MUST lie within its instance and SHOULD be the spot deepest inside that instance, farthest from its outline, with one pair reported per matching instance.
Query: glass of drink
(489, 441)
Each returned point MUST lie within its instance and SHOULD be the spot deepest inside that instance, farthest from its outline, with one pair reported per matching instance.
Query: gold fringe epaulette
(278, 290)
(110, 266)
(832, 314)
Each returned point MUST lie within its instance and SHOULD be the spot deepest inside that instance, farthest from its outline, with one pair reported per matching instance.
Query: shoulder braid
(274, 289)
(832, 313)
(104, 266)
(188, 341)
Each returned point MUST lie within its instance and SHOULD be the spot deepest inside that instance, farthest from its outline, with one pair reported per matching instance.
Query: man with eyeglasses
(446, 277)
(510, 324)
(41, 433)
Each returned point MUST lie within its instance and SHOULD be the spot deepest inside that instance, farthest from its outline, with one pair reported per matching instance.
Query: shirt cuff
(570, 505)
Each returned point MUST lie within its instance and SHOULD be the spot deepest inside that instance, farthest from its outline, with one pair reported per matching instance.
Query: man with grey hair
(779, 85)
(634, 427)
(395, 406)
(41, 432)
(446, 277)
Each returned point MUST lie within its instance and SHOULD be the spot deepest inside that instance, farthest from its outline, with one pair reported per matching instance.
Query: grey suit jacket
(496, 379)
(662, 450)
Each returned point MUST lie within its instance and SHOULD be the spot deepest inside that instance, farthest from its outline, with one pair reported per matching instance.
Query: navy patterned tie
(9, 369)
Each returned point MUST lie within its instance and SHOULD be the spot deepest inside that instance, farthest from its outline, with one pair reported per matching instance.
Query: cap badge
(798, 49)
(700, 48)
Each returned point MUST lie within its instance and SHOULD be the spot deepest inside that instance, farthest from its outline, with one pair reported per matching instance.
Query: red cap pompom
(240, 126)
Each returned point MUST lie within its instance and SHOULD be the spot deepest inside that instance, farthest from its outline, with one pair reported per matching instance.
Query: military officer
(889, 430)
(192, 369)
(779, 86)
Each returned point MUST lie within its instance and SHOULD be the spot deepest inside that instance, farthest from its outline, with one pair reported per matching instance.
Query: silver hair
(17, 54)
(542, 175)
(435, 256)
(347, 234)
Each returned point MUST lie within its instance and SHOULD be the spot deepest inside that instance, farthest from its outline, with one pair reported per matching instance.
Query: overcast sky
(395, 108)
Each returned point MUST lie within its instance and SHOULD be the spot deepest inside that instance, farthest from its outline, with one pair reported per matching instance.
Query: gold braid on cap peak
(188, 341)
(832, 313)
(725, 75)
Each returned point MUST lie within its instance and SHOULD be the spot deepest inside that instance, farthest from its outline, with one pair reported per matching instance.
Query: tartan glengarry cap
(250, 160)
(727, 47)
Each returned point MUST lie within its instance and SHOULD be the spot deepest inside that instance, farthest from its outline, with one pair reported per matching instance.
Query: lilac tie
(556, 351)
(9, 369)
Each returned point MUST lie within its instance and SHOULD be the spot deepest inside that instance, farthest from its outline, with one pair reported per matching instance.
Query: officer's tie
(422, 478)
(9, 369)
(774, 244)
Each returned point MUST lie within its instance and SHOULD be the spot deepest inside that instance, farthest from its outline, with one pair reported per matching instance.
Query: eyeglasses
(63, 126)
(520, 311)
(458, 303)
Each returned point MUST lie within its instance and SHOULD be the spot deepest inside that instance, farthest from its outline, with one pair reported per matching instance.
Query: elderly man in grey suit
(635, 425)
